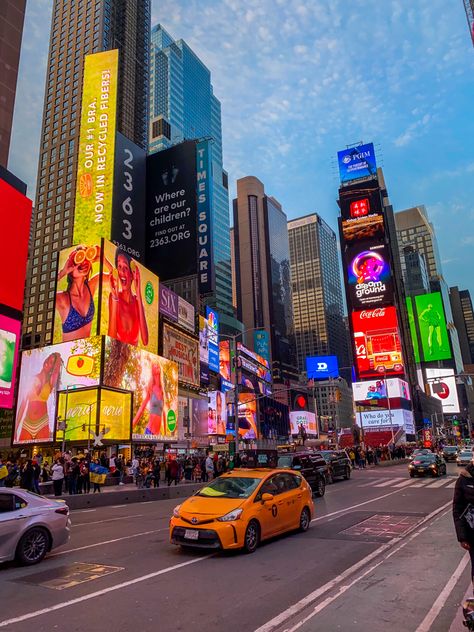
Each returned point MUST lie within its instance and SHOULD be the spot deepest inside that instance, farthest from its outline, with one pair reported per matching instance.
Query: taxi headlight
(433, 466)
(176, 511)
(411, 466)
(231, 516)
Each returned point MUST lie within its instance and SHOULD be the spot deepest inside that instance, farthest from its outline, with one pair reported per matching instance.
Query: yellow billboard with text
(95, 169)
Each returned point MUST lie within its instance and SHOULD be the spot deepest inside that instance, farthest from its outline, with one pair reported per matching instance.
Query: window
(11, 502)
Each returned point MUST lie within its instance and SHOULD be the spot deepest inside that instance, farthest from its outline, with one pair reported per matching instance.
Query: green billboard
(432, 327)
(414, 336)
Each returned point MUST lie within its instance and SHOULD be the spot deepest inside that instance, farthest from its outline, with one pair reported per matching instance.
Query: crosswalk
(400, 483)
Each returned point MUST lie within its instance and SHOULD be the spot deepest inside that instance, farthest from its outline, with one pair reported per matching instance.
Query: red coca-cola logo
(379, 312)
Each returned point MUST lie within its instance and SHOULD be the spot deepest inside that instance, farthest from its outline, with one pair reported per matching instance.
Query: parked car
(340, 465)
(464, 457)
(30, 525)
(450, 452)
(427, 464)
(312, 465)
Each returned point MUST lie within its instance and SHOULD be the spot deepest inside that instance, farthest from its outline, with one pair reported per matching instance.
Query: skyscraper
(78, 29)
(414, 229)
(262, 265)
(318, 307)
(416, 273)
(12, 16)
(183, 107)
(463, 313)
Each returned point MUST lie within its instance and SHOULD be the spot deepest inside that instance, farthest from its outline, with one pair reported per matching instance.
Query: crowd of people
(360, 457)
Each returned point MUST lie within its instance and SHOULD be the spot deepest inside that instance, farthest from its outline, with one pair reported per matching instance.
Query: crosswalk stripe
(440, 482)
(423, 483)
(405, 483)
(390, 482)
(376, 480)
(451, 485)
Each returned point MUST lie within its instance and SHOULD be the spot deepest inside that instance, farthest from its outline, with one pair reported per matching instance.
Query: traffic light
(299, 400)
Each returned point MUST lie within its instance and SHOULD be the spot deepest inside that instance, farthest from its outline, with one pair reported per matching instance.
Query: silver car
(30, 525)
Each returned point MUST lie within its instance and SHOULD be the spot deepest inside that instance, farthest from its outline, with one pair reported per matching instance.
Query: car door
(308, 471)
(287, 501)
(267, 513)
(12, 517)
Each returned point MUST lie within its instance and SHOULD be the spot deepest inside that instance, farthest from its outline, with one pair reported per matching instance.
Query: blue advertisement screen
(322, 367)
(213, 328)
(261, 343)
(357, 162)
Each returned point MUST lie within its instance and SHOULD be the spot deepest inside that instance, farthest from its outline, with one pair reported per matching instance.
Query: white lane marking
(99, 593)
(91, 546)
(439, 483)
(293, 610)
(82, 510)
(404, 484)
(118, 506)
(376, 480)
(451, 485)
(423, 482)
(390, 482)
(83, 524)
(425, 625)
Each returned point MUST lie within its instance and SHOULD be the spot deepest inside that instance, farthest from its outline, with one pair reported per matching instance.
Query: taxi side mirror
(266, 498)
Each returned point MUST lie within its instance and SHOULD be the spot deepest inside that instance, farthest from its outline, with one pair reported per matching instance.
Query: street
(381, 554)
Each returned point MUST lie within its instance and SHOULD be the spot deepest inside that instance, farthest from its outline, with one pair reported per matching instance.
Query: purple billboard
(168, 303)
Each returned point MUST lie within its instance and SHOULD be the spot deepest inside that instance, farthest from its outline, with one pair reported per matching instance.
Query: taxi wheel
(305, 520)
(252, 537)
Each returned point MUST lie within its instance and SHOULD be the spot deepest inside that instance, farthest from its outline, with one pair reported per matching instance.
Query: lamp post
(389, 407)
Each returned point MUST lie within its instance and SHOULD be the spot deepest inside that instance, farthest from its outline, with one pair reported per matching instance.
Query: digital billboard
(377, 342)
(357, 162)
(434, 336)
(95, 164)
(369, 275)
(10, 330)
(153, 380)
(96, 415)
(15, 217)
(130, 295)
(203, 350)
(248, 428)
(46, 370)
(413, 333)
(442, 386)
(186, 315)
(370, 228)
(261, 343)
(213, 324)
(253, 363)
(303, 419)
(374, 390)
(168, 303)
(183, 350)
(381, 418)
(171, 223)
(225, 369)
(204, 226)
(217, 416)
(322, 367)
(128, 211)
(359, 201)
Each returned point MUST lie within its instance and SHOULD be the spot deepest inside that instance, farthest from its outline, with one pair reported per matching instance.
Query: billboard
(225, 369)
(128, 210)
(203, 350)
(96, 415)
(217, 415)
(261, 343)
(168, 303)
(370, 228)
(183, 350)
(10, 331)
(377, 342)
(253, 363)
(153, 380)
(204, 196)
(413, 333)
(304, 419)
(46, 370)
(171, 226)
(442, 385)
(434, 336)
(130, 296)
(357, 162)
(321, 367)
(186, 315)
(359, 202)
(95, 165)
(381, 418)
(373, 390)
(213, 325)
(15, 217)
(369, 274)
(248, 428)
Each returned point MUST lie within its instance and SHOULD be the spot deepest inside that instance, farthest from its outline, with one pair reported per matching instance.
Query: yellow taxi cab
(241, 508)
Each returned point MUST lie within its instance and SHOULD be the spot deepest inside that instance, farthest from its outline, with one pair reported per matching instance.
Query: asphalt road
(380, 555)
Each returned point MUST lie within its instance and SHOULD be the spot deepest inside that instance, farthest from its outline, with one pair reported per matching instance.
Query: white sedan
(30, 525)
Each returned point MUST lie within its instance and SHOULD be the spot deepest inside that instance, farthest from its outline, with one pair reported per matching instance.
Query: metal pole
(63, 446)
(389, 407)
(236, 398)
(89, 433)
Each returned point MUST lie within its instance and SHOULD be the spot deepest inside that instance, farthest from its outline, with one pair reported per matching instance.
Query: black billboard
(369, 274)
(360, 201)
(171, 214)
(128, 209)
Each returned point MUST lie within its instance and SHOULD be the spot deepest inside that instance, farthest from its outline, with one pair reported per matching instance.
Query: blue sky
(299, 80)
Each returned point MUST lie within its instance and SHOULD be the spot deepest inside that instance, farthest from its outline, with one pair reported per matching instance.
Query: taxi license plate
(191, 534)
(420, 469)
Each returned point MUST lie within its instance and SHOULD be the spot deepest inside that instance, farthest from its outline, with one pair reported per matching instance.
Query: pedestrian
(352, 457)
(463, 511)
(156, 473)
(3, 473)
(84, 482)
(97, 474)
(27, 476)
(57, 474)
(197, 473)
(104, 461)
(120, 467)
(13, 473)
(172, 472)
(362, 459)
(73, 476)
(45, 473)
(36, 477)
(209, 467)
(188, 469)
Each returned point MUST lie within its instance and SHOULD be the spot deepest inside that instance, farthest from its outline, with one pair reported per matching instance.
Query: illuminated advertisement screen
(186, 315)
(203, 350)
(130, 295)
(369, 275)
(413, 334)
(374, 390)
(303, 419)
(15, 217)
(10, 330)
(442, 385)
(95, 167)
(153, 380)
(183, 350)
(217, 415)
(434, 336)
(248, 428)
(46, 370)
(400, 417)
(370, 228)
(261, 343)
(322, 367)
(213, 324)
(253, 363)
(168, 303)
(225, 365)
(360, 201)
(377, 343)
(357, 162)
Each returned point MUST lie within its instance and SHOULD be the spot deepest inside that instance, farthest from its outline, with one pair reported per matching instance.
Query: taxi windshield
(230, 487)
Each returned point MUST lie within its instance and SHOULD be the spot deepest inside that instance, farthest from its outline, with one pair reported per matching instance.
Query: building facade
(416, 272)
(12, 17)
(78, 29)
(318, 307)
(183, 107)
(262, 271)
(463, 314)
(334, 404)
